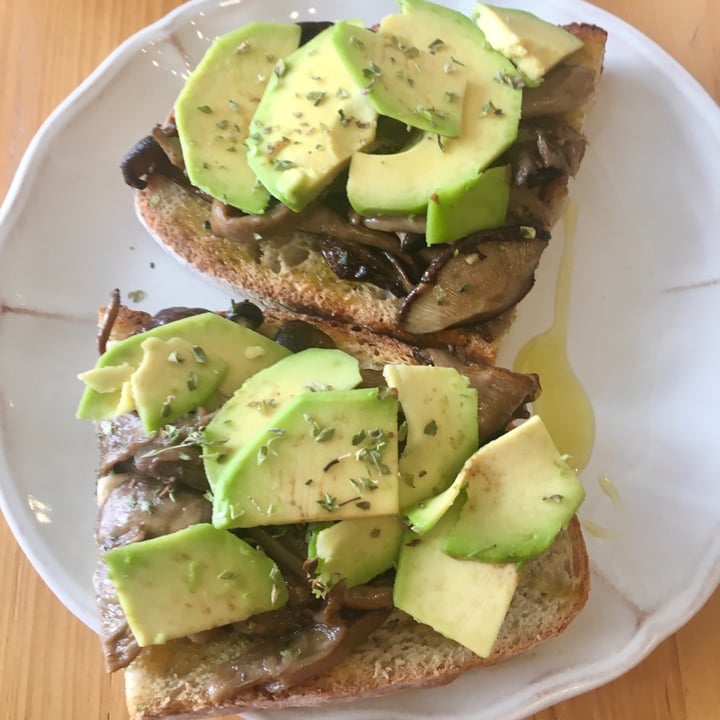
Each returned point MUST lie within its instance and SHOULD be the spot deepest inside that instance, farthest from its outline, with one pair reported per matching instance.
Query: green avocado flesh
(310, 120)
(214, 110)
(463, 600)
(329, 455)
(261, 117)
(425, 515)
(192, 580)
(171, 380)
(477, 204)
(254, 405)
(336, 550)
(520, 494)
(211, 359)
(406, 83)
(410, 178)
(440, 409)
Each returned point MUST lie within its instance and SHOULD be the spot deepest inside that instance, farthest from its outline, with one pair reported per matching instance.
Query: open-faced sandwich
(403, 178)
(333, 493)
(305, 513)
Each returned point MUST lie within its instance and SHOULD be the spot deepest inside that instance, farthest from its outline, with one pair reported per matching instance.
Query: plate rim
(658, 625)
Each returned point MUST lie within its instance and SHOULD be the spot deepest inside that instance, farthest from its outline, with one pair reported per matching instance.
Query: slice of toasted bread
(289, 270)
(285, 271)
(174, 680)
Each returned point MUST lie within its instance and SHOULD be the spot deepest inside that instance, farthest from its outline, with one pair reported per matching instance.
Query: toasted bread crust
(372, 350)
(591, 55)
(171, 681)
(288, 271)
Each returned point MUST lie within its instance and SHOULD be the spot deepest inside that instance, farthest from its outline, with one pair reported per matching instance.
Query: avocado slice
(404, 82)
(110, 390)
(442, 431)
(211, 577)
(209, 335)
(466, 601)
(254, 405)
(479, 203)
(329, 455)
(520, 494)
(312, 117)
(172, 380)
(425, 515)
(533, 44)
(355, 550)
(405, 184)
(216, 104)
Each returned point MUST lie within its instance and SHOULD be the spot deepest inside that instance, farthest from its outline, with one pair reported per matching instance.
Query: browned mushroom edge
(475, 279)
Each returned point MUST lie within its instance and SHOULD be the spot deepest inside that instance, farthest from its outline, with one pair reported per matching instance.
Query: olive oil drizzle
(563, 405)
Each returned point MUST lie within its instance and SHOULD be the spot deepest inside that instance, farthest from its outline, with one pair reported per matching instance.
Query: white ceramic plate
(642, 337)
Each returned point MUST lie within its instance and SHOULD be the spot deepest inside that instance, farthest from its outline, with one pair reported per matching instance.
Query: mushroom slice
(545, 147)
(502, 397)
(298, 335)
(502, 394)
(352, 261)
(141, 159)
(324, 221)
(474, 279)
(148, 156)
(167, 138)
(310, 28)
(416, 224)
(232, 224)
(564, 89)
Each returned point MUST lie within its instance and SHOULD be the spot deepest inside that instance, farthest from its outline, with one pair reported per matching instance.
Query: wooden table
(50, 664)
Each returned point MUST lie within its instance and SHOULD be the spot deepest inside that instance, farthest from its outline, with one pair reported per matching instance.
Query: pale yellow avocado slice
(533, 44)
(355, 550)
(329, 455)
(464, 600)
(425, 515)
(406, 83)
(477, 204)
(520, 494)
(442, 431)
(245, 352)
(192, 580)
(404, 182)
(107, 379)
(110, 388)
(172, 379)
(312, 117)
(214, 109)
(254, 405)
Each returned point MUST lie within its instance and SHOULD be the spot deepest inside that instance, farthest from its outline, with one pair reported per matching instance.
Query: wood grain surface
(50, 664)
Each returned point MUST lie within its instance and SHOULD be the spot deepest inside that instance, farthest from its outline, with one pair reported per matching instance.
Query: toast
(180, 679)
(172, 681)
(289, 269)
(286, 270)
